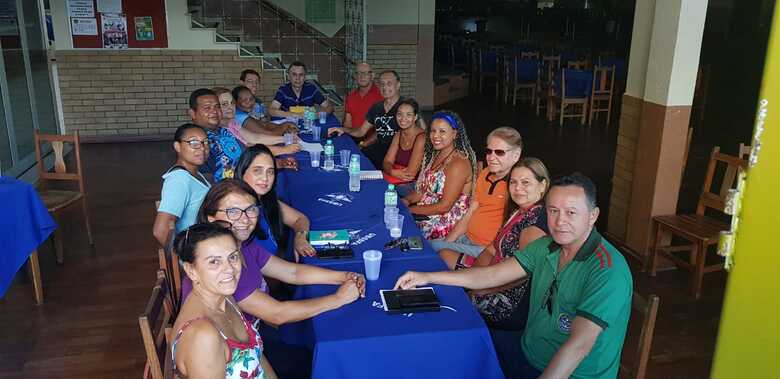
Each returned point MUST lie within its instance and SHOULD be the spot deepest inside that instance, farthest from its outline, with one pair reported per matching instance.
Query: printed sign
(83, 26)
(144, 31)
(81, 8)
(114, 31)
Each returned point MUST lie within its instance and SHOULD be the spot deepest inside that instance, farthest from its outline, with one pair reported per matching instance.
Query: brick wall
(131, 94)
(399, 57)
(625, 155)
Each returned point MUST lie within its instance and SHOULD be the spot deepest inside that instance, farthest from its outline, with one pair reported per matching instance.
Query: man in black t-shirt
(380, 116)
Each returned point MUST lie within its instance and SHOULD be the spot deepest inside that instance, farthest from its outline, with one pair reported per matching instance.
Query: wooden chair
(649, 310)
(575, 94)
(522, 77)
(155, 324)
(700, 230)
(529, 55)
(170, 266)
(488, 68)
(601, 92)
(577, 65)
(545, 90)
(57, 200)
(553, 61)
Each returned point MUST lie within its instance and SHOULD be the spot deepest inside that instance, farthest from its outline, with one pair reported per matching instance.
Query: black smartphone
(335, 253)
(415, 243)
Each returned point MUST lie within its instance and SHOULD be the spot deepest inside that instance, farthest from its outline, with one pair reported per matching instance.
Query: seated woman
(258, 169)
(479, 225)
(235, 202)
(404, 156)
(441, 195)
(249, 132)
(525, 221)
(213, 339)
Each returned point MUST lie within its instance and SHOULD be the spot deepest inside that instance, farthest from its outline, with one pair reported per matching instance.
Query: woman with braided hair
(449, 168)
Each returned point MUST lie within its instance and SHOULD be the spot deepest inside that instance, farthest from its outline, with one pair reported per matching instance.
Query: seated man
(183, 187)
(251, 79)
(297, 92)
(381, 117)
(358, 102)
(225, 149)
(580, 295)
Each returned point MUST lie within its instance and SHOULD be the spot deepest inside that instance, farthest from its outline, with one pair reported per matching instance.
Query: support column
(654, 120)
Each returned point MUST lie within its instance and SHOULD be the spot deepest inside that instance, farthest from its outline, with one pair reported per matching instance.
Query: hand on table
(348, 292)
(405, 202)
(302, 247)
(289, 127)
(335, 130)
(358, 279)
(411, 279)
(291, 148)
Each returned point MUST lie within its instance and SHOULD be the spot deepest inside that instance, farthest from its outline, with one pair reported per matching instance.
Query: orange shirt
(486, 220)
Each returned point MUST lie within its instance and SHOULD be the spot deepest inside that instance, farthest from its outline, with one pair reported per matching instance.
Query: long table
(360, 340)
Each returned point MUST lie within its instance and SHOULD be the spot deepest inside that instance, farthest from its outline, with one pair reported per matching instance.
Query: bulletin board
(132, 9)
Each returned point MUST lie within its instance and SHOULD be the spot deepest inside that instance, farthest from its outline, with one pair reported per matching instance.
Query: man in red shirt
(361, 99)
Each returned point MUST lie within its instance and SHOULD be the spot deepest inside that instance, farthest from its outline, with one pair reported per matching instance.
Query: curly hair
(462, 143)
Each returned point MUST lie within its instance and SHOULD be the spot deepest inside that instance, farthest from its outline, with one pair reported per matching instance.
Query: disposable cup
(315, 158)
(323, 117)
(345, 157)
(390, 213)
(288, 139)
(315, 133)
(373, 262)
(396, 222)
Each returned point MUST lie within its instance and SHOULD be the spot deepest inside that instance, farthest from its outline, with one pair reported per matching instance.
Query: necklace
(212, 308)
(439, 163)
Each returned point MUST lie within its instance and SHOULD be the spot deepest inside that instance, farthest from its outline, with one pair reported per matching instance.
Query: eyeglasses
(234, 214)
(197, 143)
(367, 73)
(498, 152)
(550, 295)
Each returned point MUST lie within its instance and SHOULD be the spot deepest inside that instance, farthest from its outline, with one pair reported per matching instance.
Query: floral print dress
(430, 186)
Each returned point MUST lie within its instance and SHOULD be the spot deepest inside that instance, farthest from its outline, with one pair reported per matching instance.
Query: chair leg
(58, 245)
(563, 111)
(35, 274)
(654, 248)
(698, 270)
(86, 221)
(584, 113)
(609, 109)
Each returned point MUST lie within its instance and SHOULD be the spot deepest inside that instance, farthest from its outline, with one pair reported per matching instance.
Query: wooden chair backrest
(577, 65)
(552, 60)
(155, 324)
(648, 308)
(172, 274)
(717, 199)
(603, 80)
(61, 171)
(529, 55)
(744, 151)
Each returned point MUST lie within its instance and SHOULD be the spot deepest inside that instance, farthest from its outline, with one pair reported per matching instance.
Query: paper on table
(371, 175)
(308, 146)
(280, 121)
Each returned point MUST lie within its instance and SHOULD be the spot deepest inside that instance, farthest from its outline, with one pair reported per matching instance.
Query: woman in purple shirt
(235, 202)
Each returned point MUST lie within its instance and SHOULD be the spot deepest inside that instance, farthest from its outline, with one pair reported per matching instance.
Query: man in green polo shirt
(580, 293)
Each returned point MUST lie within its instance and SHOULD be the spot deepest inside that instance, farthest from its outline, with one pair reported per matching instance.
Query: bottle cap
(391, 187)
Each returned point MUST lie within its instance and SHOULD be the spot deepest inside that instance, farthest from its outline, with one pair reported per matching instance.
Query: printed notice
(109, 6)
(83, 26)
(114, 31)
(144, 31)
(81, 8)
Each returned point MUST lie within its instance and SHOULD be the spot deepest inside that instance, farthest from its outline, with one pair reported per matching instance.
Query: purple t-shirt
(255, 258)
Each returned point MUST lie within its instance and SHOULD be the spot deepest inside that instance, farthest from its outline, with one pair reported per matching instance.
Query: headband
(446, 117)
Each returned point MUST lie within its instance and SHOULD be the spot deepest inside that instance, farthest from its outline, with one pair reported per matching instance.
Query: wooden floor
(88, 328)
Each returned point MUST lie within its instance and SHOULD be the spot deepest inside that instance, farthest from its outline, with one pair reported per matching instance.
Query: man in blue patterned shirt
(224, 147)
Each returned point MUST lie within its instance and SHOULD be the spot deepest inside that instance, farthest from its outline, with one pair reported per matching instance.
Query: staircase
(277, 38)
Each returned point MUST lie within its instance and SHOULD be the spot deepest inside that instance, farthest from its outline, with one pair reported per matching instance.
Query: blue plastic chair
(526, 74)
(574, 88)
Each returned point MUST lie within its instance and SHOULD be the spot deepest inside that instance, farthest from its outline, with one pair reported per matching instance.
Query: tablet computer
(422, 299)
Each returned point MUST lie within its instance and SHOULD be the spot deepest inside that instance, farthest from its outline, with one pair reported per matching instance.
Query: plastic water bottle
(391, 197)
(354, 173)
(329, 164)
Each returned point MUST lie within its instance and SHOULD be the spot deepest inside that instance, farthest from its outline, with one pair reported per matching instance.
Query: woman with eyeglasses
(213, 338)
(257, 168)
(233, 201)
(441, 195)
(479, 225)
(184, 187)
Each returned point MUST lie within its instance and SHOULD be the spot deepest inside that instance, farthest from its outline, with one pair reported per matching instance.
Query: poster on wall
(83, 26)
(114, 28)
(81, 8)
(109, 6)
(144, 31)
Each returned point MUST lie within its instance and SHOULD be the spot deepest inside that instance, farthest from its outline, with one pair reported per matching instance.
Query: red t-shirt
(358, 106)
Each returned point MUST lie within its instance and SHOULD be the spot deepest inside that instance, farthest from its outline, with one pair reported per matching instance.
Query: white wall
(180, 35)
(298, 9)
(644, 13)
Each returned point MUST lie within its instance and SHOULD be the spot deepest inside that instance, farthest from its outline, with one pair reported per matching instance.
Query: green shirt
(596, 285)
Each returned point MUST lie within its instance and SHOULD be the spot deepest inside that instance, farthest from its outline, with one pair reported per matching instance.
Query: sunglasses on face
(498, 152)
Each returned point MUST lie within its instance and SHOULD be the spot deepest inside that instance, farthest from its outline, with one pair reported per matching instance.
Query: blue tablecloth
(360, 340)
(24, 225)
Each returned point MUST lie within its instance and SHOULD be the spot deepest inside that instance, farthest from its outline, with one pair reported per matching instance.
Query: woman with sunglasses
(213, 339)
(441, 195)
(479, 225)
(257, 168)
(234, 202)
(183, 185)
